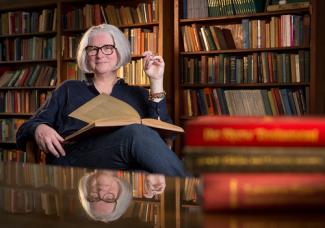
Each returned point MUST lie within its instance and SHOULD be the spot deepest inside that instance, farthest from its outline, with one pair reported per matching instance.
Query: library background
(223, 57)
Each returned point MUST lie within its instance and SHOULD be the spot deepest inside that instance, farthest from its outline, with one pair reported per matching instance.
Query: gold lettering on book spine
(233, 185)
(260, 135)
(282, 135)
(259, 160)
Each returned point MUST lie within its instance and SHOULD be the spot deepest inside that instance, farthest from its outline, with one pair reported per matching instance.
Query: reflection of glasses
(106, 49)
(107, 198)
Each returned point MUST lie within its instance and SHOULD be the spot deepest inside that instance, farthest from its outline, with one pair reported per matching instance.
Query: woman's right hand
(49, 140)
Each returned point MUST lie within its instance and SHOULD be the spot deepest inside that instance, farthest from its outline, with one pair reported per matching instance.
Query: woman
(102, 50)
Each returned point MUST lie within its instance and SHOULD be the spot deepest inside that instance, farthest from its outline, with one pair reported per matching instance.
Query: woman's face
(101, 63)
(104, 188)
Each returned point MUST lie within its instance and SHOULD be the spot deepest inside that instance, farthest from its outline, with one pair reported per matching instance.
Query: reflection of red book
(212, 131)
(264, 219)
(237, 191)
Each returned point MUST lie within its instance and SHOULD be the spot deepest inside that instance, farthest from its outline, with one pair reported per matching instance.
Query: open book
(104, 112)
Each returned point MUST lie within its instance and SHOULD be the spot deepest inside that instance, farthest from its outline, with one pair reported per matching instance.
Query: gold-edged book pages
(104, 113)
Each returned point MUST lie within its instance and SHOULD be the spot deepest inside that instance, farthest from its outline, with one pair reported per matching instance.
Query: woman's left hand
(154, 66)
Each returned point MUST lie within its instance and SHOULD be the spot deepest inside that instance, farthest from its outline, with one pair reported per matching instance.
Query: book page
(104, 107)
(163, 128)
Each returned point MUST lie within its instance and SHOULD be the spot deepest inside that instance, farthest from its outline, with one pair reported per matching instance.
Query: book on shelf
(277, 191)
(254, 159)
(288, 6)
(104, 112)
(264, 131)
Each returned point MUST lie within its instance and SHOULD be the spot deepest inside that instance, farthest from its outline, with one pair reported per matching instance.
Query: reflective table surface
(34, 195)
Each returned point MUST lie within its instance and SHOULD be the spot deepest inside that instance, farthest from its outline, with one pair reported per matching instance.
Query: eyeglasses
(107, 198)
(106, 49)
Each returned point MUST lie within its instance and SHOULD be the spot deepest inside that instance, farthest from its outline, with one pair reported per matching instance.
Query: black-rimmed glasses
(107, 198)
(106, 49)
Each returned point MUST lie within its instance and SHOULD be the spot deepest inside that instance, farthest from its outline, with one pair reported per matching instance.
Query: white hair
(121, 44)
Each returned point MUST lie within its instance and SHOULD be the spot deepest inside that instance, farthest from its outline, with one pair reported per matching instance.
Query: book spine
(221, 132)
(237, 191)
(254, 159)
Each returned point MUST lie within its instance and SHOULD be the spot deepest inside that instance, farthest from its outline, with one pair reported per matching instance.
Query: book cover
(288, 6)
(268, 131)
(278, 191)
(106, 112)
(262, 219)
(254, 159)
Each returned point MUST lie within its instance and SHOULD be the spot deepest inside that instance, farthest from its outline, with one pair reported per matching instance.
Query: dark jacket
(72, 94)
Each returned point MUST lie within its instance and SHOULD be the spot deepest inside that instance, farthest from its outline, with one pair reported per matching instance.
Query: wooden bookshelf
(187, 198)
(314, 96)
(161, 20)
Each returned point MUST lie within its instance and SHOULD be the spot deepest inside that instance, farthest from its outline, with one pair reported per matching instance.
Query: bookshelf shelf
(246, 85)
(8, 142)
(190, 205)
(247, 50)
(245, 16)
(149, 24)
(29, 88)
(28, 61)
(28, 34)
(152, 201)
(7, 114)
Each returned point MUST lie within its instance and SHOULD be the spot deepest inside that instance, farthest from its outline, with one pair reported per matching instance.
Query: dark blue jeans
(133, 147)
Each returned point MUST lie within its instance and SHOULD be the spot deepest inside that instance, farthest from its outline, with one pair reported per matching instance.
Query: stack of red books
(258, 162)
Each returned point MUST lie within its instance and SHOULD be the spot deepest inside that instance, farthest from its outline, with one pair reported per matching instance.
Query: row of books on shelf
(14, 155)
(190, 190)
(119, 15)
(217, 101)
(69, 46)
(22, 101)
(40, 176)
(22, 22)
(148, 212)
(31, 188)
(22, 201)
(73, 72)
(137, 183)
(49, 203)
(35, 48)
(142, 39)
(132, 73)
(263, 67)
(214, 8)
(8, 129)
(258, 162)
(38, 75)
(277, 31)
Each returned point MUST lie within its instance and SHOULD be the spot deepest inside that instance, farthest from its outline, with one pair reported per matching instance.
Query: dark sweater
(72, 94)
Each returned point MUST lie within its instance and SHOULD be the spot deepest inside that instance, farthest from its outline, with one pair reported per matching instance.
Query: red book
(237, 191)
(215, 131)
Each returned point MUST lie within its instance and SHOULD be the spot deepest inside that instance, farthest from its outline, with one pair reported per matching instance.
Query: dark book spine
(253, 159)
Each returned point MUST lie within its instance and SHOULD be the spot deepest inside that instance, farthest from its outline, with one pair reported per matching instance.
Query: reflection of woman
(104, 196)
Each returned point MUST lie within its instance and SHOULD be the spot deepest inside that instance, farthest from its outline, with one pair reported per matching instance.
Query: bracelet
(160, 95)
